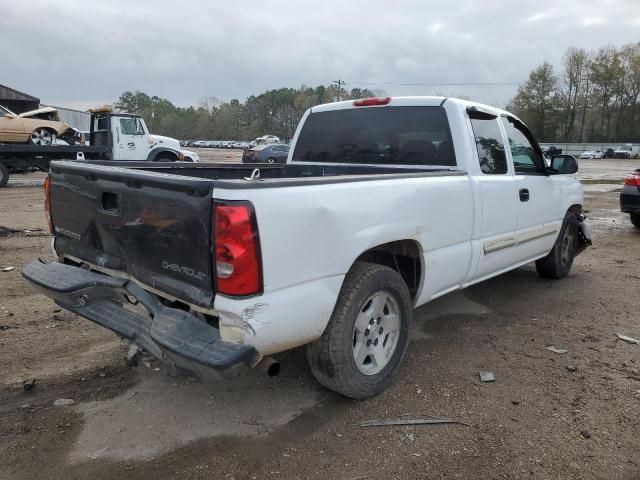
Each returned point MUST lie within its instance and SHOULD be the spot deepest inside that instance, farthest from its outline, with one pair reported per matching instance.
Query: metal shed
(17, 101)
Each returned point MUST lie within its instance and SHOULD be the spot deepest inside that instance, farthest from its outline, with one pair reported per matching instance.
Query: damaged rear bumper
(174, 336)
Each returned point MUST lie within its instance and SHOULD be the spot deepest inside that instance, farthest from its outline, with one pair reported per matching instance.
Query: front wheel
(367, 335)
(559, 261)
(635, 219)
(41, 136)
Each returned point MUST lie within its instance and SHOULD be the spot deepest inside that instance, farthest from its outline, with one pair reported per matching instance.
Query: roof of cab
(426, 101)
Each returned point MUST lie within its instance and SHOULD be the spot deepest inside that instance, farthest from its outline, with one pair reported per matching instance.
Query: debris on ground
(572, 368)
(29, 384)
(585, 434)
(6, 231)
(557, 350)
(628, 339)
(401, 421)
(63, 401)
(7, 269)
(487, 377)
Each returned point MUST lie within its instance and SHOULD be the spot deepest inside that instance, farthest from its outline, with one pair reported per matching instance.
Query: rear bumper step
(173, 336)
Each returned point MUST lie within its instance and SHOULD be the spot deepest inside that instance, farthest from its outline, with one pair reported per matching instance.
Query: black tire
(635, 217)
(331, 357)
(559, 261)
(4, 175)
(164, 158)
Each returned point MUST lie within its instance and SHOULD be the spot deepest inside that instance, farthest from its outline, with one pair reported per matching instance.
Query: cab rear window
(377, 135)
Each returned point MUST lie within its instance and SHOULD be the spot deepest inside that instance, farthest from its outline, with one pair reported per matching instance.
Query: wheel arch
(162, 152)
(403, 256)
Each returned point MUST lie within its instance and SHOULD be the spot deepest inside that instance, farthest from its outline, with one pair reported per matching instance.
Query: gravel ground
(547, 415)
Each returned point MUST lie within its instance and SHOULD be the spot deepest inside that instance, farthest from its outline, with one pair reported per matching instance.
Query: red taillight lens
(633, 180)
(47, 203)
(369, 102)
(236, 243)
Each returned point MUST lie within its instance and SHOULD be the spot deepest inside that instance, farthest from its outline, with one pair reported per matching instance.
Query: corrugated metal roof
(8, 93)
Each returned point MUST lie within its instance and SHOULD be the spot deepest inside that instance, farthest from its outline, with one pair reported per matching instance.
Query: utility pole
(339, 83)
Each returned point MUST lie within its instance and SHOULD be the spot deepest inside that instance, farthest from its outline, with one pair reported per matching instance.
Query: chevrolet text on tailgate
(383, 205)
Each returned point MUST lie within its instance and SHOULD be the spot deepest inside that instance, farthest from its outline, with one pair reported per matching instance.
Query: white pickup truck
(383, 205)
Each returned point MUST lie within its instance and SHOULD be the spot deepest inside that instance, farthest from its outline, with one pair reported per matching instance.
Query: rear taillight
(237, 249)
(47, 202)
(633, 180)
(370, 102)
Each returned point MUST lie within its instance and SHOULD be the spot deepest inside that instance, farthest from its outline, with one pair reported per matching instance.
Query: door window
(490, 146)
(131, 126)
(527, 159)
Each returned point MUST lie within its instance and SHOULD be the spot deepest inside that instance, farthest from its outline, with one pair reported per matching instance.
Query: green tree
(536, 101)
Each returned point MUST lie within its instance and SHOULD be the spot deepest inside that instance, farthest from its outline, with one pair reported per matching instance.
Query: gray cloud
(74, 52)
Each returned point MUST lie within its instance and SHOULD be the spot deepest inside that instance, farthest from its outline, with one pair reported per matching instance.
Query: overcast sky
(80, 53)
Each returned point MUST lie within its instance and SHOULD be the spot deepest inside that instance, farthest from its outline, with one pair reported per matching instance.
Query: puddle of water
(161, 414)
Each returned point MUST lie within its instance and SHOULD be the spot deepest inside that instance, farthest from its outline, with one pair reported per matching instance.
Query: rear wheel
(366, 338)
(635, 218)
(42, 136)
(4, 175)
(559, 261)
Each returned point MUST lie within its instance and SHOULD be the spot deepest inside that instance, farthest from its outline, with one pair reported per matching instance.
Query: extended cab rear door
(497, 206)
(539, 195)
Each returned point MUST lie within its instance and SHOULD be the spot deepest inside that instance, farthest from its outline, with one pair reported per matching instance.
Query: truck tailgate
(155, 228)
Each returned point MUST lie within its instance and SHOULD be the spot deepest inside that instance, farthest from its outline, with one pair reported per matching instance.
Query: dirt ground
(547, 415)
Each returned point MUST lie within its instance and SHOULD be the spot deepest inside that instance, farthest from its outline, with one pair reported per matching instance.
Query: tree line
(275, 112)
(593, 97)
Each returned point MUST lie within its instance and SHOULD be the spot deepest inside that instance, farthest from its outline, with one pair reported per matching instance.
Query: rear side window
(382, 135)
(490, 147)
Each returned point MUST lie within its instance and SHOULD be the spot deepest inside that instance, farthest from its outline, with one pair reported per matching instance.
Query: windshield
(624, 147)
(383, 135)
(6, 111)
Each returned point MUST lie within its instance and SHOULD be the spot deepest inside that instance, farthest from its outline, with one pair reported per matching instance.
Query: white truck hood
(173, 144)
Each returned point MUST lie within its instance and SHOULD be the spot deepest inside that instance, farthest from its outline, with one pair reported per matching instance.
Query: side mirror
(564, 164)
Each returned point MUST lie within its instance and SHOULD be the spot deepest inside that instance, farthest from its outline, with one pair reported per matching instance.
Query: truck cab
(127, 138)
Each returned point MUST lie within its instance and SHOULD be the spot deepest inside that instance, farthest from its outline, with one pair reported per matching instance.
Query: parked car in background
(591, 154)
(551, 151)
(609, 153)
(266, 139)
(37, 127)
(630, 197)
(627, 151)
(266, 154)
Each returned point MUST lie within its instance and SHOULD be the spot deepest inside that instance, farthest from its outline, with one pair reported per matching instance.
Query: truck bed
(230, 175)
(153, 223)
